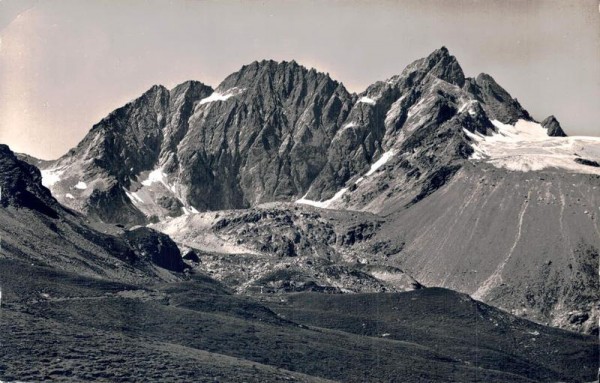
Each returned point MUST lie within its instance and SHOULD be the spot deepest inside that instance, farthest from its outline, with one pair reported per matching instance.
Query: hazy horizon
(64, 65)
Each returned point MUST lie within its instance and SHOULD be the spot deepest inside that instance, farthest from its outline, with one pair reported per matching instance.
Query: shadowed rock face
(262, 135)
(553, 126)
(267, 141)
(496, 101)
(156, 247)
(21, 185)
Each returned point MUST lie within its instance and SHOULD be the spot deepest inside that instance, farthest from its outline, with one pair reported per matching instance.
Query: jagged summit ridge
(283, 76)
(278, 131)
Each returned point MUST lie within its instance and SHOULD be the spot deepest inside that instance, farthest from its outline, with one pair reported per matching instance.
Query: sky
(65, 64)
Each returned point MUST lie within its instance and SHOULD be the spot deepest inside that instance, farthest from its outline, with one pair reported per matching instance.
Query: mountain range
(280, 190)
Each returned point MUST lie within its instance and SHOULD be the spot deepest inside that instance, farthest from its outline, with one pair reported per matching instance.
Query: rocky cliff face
(411, 125)
(262, 137)
(21, 186)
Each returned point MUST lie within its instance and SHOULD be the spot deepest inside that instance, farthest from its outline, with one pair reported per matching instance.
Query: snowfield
(526, 147)
(332, 202)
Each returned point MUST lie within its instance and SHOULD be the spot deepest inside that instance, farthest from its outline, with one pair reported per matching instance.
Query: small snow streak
(133, 197)
(322, 204)
(366, 100)
(216, 96)
(349, 125)
(385, 157)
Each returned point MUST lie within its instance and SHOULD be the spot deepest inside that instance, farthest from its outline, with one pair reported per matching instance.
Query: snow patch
(216, 96)
(51, 176)
(69, 195)
(157, 175)
(349, 125)
(366, 100)
(468, 105)
(81, 185)
(322, 204)
(133, 197)
(385, 157)
(345, 127)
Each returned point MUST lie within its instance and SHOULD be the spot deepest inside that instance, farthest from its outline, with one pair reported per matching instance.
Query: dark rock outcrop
(553, 127)
(149, 244)
(495, 100)
(191, 256)
(21, 185)
(586, 162)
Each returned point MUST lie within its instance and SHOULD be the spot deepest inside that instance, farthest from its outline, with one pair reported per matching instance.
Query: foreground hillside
(63, 327)
(115, 305)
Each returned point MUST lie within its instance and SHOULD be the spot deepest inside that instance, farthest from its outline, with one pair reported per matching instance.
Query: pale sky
(66, 64)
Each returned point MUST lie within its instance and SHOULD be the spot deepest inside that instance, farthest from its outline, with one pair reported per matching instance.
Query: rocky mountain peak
(190, 86)
(182, 101)
(553, 127)
(440, 64)
(154, 96)
(496, 101)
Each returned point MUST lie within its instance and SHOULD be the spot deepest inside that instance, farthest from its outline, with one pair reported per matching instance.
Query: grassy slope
(57, 326)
